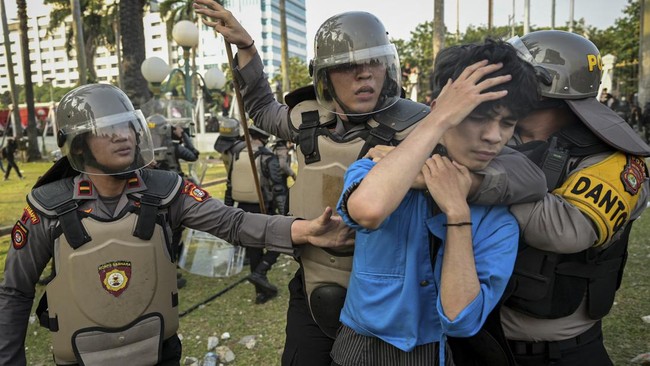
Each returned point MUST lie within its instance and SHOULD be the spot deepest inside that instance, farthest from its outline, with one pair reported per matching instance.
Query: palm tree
(13, 91)
(133, 50)
(172, 11)
(284, 49)
(438, 27)
(97, 18)
(32, 133)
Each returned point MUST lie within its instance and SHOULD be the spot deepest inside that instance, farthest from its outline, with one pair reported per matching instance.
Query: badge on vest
(633, 175)
(19, 235)
(115, 276)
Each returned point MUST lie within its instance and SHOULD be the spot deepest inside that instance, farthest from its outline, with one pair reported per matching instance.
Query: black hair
(523, 89)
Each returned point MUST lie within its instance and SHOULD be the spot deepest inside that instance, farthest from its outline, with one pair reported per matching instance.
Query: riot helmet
(350, 43)
(569, 69)
(229, 127)
(569, 65)
(121, 141)
(161, 134)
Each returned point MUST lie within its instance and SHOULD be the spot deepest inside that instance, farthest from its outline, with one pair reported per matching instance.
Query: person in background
(242, 193)
(574, 241)
(108, 221)
(9, 153)
(282, 149)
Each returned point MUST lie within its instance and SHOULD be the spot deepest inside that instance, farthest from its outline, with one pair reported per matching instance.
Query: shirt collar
(84, 189)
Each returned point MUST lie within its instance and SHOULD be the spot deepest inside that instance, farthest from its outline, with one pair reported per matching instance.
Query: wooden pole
(244, 126)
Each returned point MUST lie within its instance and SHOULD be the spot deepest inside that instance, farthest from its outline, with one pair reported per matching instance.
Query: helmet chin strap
(352, 118)
(118, 174)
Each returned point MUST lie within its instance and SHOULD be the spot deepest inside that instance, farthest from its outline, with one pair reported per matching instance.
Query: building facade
(50, 63)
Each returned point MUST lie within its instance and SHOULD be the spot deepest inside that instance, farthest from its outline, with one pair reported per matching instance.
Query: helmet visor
(115, 144)
(371, 80)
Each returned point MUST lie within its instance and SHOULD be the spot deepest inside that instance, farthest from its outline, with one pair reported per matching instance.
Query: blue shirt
(393, 291)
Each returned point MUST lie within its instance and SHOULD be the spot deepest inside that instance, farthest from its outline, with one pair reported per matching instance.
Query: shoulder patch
(634, 174)
(606, 192)
(30, 215)
(19, 235)
(195, 192)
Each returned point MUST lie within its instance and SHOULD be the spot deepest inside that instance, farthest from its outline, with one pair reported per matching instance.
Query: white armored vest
(110, 282)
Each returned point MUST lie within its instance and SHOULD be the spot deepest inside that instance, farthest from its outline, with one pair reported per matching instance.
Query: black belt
(553, 347)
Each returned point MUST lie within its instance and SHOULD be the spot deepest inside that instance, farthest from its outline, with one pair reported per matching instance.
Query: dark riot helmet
(349, 39)
(568, 65)
(569, 70)
(229, 127)
(100, 110)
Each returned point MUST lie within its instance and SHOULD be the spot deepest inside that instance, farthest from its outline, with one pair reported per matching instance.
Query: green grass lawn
(235, 312)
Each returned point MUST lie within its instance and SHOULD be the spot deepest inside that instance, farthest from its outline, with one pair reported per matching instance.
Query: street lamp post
(156, 70)
(186, 35)
(160, 75)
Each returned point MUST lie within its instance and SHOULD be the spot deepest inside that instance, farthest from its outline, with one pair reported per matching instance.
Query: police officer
(572, 254)
(172, 144)
(282, 149)
(9, 153)
(353, 105)
(107, 221)
(242, 193)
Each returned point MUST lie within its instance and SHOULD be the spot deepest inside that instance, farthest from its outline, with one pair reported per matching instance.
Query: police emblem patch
(195, 192)
(19, 235)
(115, 276)
(633, 175)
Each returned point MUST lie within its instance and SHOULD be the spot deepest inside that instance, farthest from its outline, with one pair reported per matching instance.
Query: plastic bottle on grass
(210, 359)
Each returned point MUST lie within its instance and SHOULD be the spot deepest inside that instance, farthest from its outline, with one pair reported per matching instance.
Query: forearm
(382, 190)
(510, 178)
(14, 310)
(259, 101)
(459, 280)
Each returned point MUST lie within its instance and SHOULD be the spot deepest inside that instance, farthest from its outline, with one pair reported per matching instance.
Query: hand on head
(459, 97)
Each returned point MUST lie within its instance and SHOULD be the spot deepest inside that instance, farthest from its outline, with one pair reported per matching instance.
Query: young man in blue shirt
(399, 307)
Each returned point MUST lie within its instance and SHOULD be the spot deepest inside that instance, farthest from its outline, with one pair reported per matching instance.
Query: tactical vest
(323, 159)
(550, 285)
(241, 174)
(114, 298)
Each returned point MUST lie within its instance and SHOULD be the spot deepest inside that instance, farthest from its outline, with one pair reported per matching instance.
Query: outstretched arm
(323, 231)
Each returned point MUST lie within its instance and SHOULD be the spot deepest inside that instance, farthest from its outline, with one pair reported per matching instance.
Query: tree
(32, 132)
(97, 18)
(173, 11)
(133, 48)
(298, 73)
(284, 47)
(439, 28)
